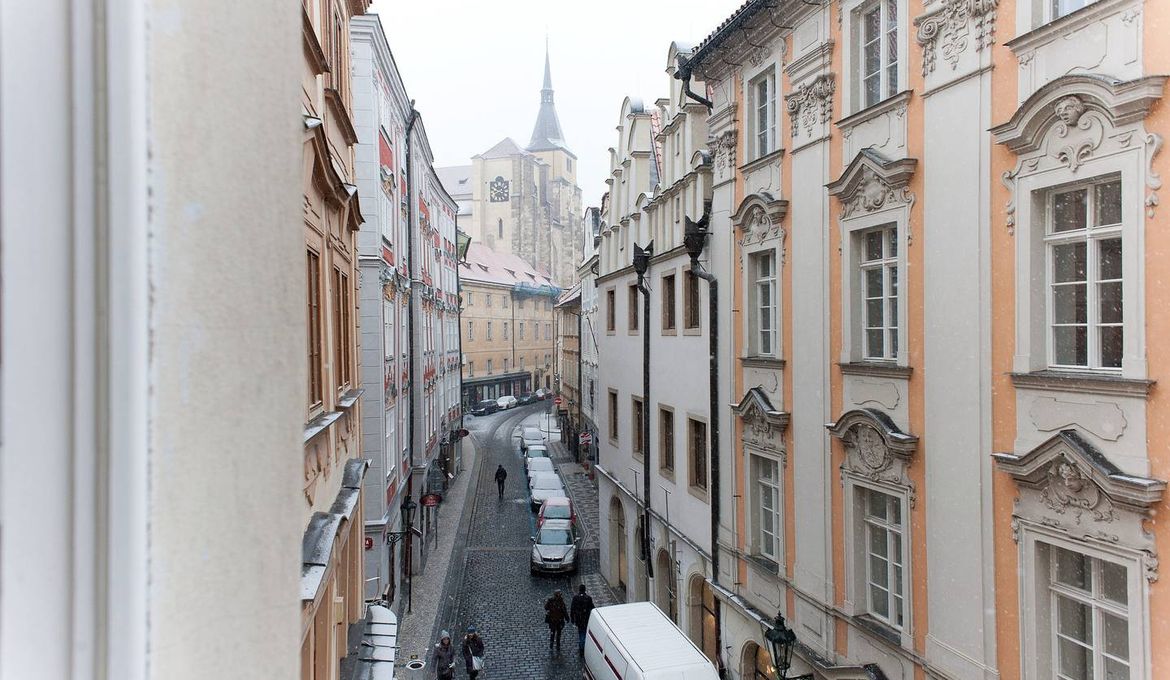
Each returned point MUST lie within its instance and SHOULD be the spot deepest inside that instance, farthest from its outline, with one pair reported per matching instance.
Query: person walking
(579, 614)
(443, 657)
(473, 652)
(555, 614)
(501, 475)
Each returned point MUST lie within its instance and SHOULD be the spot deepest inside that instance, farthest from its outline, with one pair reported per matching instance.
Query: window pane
(1110, 301)
(1068, 262)
(891, 242)
(1116, 636)
(1070, 345)
(873, 283)
(1109, 259)
(878, 572)
(1070, 303)
(1069, 210)
(1116, 670)
(873, 29)
(873, 313)
(873, 88)
(881, 603)
(1108, 199)
(1074, 620)
(1111, 346)
(1113, 582)
(1076, 662)
(875, 504)
(877, 544)
(1072, 569)
(873, 246)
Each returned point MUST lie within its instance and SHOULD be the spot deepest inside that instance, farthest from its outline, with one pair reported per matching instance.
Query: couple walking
(443, 658)
(555, 614)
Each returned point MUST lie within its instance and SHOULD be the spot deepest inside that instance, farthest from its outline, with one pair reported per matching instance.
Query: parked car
(557, 508)
(543, 394)
(507, 401)
(543, 486)
(554, 547)
(526, 398)
(637, 641)
(538, 466)
(530, 435)
(536, 451)
(485, 407)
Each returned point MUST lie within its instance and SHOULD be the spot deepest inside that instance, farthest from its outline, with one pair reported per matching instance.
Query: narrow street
(489, 585)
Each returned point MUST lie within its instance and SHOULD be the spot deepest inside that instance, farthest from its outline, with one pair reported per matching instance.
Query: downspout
(697, 231)
(580, 386)
(410, 340)
(683, 73)
(642, 265)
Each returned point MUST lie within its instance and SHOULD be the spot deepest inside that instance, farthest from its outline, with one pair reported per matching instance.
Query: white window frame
(1036, 599)
(895, 560)
(1091, 236)
(856, 571)
(852, 312)
(852, 12)
(758, 285)
(756, 496)
(763, 114)
(890, 322)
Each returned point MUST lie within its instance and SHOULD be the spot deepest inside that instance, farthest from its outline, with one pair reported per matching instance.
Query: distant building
(567, 371)
(524, 201)
(507, 324)
(587, 273)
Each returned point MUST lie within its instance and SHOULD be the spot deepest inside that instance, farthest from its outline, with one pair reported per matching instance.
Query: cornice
(341, 115)
(805, 66)
(885, 106)
(1058, 29)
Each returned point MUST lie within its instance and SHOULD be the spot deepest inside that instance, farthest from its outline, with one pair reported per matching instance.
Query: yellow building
(507, 325)
(331, 573)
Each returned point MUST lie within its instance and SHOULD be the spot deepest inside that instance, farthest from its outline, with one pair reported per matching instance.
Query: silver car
(545, 485)
(554, 547)
(530, 435)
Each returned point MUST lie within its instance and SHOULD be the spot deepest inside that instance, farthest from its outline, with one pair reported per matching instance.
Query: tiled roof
(504, 148)
(717, 36)
(456, 179)
(484, 265)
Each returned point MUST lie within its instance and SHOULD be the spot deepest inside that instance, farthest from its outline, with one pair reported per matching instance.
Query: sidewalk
(416, 628)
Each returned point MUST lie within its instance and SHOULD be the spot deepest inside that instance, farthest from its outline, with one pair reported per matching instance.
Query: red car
(557, 507)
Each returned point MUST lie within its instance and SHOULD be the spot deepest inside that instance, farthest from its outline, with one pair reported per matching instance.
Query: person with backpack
(555, 614)
(579, 614)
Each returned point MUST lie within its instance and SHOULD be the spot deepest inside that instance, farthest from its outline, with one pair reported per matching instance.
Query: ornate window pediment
(1067, 485)
(763, 424)
(759, 217)
(875, 448)
(872, 182)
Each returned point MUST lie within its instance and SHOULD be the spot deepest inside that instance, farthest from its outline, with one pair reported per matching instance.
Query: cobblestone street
(489, 584)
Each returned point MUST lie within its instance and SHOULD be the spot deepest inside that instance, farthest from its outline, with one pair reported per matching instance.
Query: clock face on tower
(498, 190)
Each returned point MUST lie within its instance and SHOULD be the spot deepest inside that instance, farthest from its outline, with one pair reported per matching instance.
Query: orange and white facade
(939, 226)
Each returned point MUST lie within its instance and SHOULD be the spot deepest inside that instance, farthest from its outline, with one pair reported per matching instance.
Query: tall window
(610, 312)
(1089, 619)
(879, 52)
(313, 273)
(548, 331)
(763, 272)
(505, 330)
(500, 228)
(633, 308)
(697, 453)
(489, 330)
(470, 369)
(666, 440)
(669, 319)
(766, 507)
(764, 110)
(342, 330)
(613, 416)
(1084, 272)
(521, 362)
(489, 300)
(636, 413)
(471, 330)
(879, 293)
(489, 366)
(691, 315)
(883, 550)
(521, 329)
(470, 301)
(506, 364)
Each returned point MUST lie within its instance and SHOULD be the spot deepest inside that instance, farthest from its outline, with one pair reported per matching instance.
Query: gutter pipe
(641, 265)
(410, 340)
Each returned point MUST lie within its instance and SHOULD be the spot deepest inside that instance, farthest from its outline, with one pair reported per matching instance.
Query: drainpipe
(695, 239)
(641, 265)
(683, 73)
(580, 386)
(410, 339)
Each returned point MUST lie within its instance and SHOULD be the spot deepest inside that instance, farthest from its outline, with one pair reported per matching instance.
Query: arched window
(702, 616)
(500, 227)
(757, 663)
(666, 585)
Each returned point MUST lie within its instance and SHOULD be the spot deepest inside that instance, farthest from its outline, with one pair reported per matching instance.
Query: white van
(637, 641)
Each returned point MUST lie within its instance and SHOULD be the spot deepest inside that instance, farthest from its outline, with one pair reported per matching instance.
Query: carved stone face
(1070, 109)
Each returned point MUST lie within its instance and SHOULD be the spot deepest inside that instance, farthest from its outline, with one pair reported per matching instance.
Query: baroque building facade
(940, 456)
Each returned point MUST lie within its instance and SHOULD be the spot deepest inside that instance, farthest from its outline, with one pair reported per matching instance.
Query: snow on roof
(484, 265)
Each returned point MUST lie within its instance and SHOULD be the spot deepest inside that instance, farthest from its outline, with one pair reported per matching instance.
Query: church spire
(547, 132)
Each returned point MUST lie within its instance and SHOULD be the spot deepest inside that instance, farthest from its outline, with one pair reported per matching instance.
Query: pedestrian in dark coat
(473, 652)
(501, 475)
(579, 615)
(443, 657)
(555, 614)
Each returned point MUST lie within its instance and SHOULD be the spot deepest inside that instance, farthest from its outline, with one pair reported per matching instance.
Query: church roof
(504, 148)
(546, 134)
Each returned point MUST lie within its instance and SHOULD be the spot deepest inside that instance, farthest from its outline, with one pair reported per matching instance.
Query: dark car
(485, 407)
(526, 398)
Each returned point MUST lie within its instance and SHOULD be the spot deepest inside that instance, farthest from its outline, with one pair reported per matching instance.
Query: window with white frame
(1083, 244)
(1060, 8)
(877, 58)
(766, 506)
(1087, 623)
(763, 98)
(884, 562)
(763, 292)
(878, 265)
(489, 366)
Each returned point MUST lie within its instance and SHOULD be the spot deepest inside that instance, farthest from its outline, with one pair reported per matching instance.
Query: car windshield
(540, 464)
(487, 402)
(537, 452)
(555, 537)
(546, 482)
(557, 512)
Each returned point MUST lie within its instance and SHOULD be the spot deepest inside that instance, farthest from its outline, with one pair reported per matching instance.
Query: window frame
(666, 441)
(314, 321)
(610, 310)
(756, 283)
(669, 304)
(888, 265)
(637, 413)
(692, 303)
(755, 497)
(632, 310)
(886, 89)
(701, 463)
(613, 413)
(764, 138)
(871, 526)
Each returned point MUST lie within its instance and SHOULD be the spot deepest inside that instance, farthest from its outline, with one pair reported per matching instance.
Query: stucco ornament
(763, 425)
(949, 30)
(870, 448)
(875, 449)
(874, 194)
(1070, 109)
(1070, 491)
(759, 55)
(811, 104)
(723, 149)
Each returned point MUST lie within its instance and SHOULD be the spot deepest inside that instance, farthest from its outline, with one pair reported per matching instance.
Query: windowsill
(670, 331)
(883, 630)
(1057, 28)
(761, 161)
(666, 473)
(1082, 382)
(762, 362)
(697, 492)
(347, 400)
(765, 563)
(692, 331)
(878, 369)
(632, 331)
(321, 423)
(610, 331)
(873, 111)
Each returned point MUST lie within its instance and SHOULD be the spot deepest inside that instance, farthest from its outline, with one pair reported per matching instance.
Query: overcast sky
(474, 68)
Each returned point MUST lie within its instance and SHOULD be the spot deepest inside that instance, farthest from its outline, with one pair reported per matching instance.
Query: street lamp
(463, 242)
(408, 507)
(781, 640)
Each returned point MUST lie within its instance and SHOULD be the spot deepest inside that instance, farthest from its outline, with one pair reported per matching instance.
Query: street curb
(454, 578)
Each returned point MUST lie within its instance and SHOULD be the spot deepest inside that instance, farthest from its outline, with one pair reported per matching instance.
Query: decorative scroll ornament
(949, 30)
(763, 425)
(1071, 491)
(759, 55)
(876, 449)
(723, 148)
(1153, 179)
(811, 104)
